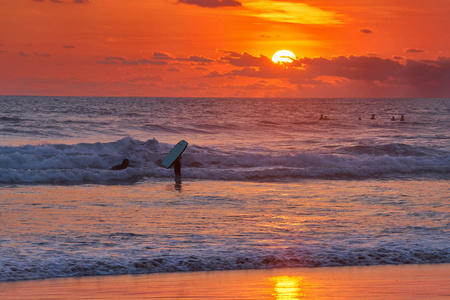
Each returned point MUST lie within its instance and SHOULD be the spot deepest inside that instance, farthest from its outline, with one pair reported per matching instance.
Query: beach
(365, 282)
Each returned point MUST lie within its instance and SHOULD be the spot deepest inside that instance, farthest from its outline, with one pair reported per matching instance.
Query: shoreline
(368, 282)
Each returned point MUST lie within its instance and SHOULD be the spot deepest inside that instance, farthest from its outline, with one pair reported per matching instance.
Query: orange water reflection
(287, 287)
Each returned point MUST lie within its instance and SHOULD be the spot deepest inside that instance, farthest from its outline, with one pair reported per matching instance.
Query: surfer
(173, 158)
(372, 117)
(402, 118)
(122, 166)
(393, 118)
(321, 117)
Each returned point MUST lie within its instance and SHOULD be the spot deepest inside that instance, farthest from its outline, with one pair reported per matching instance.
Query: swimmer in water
(372, 117)
(122, 166)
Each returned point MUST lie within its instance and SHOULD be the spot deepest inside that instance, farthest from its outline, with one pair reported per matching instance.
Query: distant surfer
(402, 119)
(321, 117)
(122, 166)
(372, 117)
(393, 118)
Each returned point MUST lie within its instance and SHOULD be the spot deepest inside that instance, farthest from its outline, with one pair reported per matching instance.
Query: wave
(91, 163)
(60, 265)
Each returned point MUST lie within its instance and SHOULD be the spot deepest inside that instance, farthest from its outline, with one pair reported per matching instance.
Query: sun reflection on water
(287, 287)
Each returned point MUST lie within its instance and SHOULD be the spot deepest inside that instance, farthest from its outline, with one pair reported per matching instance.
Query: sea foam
(91, 163)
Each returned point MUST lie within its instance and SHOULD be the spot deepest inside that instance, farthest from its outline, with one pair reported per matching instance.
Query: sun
(283, 56)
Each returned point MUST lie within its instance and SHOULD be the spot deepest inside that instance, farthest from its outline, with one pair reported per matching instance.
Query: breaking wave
(91, 163)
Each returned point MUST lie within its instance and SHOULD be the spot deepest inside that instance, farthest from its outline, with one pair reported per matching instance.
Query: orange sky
(222, 48)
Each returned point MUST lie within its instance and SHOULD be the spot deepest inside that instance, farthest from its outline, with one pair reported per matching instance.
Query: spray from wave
(91, 163)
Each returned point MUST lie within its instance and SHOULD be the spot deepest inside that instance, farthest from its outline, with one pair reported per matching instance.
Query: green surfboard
(176, 151)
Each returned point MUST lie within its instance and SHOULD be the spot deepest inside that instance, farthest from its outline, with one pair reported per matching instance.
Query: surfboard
(176, 151)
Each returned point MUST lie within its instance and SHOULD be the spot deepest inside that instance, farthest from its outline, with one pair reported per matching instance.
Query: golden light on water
(287, 287)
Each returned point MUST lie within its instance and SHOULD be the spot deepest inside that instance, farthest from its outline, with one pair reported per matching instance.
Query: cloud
(413, 50)
(365, 30)
(353, 67)
(290, 12)
(430, 78)
(195, 58)
(212, 3)
(246, 60)
(172, 69)
(113, 60)
(69, 47)
(161, 56)
(213, 74)
(23, 54)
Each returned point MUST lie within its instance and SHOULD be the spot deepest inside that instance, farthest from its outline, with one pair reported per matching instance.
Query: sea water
(265, 184)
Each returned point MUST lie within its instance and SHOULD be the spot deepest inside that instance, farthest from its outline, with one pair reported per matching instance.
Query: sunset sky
(223, 48)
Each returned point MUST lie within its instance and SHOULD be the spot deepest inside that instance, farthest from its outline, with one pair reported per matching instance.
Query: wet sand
(372, 282)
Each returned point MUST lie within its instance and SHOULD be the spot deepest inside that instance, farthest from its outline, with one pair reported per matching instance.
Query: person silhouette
(122, 166)
(321, 117)
(177, 169)
(402, 118)
(372, 117)
(393, 118)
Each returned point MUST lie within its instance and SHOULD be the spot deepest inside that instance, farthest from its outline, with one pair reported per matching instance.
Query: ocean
(265, 184)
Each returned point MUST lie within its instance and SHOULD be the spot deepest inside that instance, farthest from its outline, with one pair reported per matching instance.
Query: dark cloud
(413, 50)
(69, 47)
(213, 74)
(212, 3)
(172, 69)
(427, 78)
(246, 60)
(113, 60)
(195, 58)
(353, 67)
(161, 56)
(366, 30)
(398, 57)
(23, 54)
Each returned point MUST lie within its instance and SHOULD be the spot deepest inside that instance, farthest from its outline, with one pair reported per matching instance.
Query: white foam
(80, 163)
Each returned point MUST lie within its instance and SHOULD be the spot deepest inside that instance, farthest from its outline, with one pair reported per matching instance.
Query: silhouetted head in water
(122, 166)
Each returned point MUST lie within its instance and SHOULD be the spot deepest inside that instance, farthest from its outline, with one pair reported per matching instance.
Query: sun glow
(283, 56)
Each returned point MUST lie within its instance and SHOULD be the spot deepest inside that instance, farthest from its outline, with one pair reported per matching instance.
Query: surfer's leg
(177, 168)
